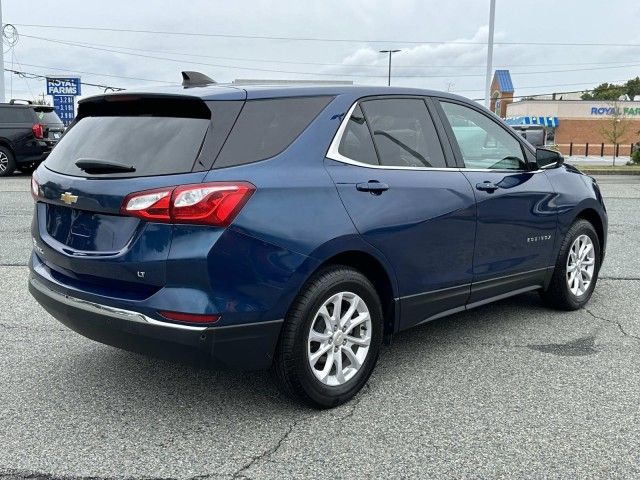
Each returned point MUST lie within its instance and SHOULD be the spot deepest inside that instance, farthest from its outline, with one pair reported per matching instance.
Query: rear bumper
(38, 156)
(244, 347)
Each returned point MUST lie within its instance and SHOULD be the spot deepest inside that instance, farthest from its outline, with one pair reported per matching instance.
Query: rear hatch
(81, 237)
(53, 128)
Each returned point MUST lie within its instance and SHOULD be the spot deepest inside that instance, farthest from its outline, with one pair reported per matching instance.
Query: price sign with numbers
(64, 90)
(65, 108)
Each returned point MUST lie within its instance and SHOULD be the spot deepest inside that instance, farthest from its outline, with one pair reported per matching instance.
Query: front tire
(576, 270)
(330, 339)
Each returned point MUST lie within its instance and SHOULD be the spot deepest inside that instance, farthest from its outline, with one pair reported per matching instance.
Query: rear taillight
(38, 130)
(215, 203)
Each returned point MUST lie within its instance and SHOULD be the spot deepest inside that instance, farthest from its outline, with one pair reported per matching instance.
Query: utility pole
(2, 99)
(390, 52)
(487, 84)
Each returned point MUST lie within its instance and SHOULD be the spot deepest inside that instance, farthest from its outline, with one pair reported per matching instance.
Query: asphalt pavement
(509, 390)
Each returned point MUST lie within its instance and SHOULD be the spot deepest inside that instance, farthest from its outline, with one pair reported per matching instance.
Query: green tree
(615, 127)
(633, 87)
(605, 91)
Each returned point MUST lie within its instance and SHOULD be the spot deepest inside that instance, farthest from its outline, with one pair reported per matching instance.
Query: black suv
(27, 134)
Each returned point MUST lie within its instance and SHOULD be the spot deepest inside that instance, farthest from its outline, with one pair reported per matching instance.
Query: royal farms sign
(620, 111)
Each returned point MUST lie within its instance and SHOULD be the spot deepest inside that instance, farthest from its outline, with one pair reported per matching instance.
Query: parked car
(297, 227)
(27, 134)
(536, 135)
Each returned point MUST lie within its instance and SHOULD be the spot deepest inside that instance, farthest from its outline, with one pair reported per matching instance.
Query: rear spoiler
(135, 104)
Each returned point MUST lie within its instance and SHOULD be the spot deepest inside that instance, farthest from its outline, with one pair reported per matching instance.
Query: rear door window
(266, 127)
(404, 133)
(356, 143)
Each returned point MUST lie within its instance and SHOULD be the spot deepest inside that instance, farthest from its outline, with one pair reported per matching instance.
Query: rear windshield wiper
(93, 165)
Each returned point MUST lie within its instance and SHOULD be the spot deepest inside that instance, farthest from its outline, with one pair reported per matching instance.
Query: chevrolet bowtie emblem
(68, 198)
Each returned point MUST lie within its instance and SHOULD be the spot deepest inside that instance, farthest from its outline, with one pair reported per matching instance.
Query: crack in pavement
(613, 322)
(264, 455)
(240, 473)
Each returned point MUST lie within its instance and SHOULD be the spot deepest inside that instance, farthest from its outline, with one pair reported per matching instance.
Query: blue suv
(299, 227)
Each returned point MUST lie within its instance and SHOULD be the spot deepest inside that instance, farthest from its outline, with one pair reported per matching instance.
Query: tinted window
(483, 142)
(404, 133)
(153, 145)
(356, 142)
(266, 127)
(16, 115)
(48, 116)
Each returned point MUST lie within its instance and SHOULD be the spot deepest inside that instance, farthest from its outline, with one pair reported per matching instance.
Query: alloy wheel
(339, 338)
(4, 162)
(581, 264)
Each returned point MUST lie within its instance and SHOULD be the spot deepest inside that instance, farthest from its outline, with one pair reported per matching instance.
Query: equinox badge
(68, 198)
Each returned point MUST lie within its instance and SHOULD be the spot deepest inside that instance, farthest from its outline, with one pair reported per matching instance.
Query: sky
(342, 42)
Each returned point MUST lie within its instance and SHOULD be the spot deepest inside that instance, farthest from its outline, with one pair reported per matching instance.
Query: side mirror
(547, 158)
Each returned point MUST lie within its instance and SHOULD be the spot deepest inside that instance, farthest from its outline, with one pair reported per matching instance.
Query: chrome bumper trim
(106, 310)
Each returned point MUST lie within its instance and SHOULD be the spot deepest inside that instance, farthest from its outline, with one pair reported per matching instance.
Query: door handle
(372, 186)
(487, 186)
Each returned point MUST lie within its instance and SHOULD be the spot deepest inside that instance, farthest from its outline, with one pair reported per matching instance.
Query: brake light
(189, 317)
(215, 203)
(38, 130)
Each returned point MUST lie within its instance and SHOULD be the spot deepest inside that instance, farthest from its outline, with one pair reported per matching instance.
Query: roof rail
(196, 79)
(15, 101)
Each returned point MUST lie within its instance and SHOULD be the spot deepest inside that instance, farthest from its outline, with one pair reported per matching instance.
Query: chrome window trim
(334, 154)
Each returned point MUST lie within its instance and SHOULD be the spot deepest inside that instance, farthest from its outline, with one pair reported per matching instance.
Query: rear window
(47, 115)
(15, 115)
(154, 145)
(266, 127)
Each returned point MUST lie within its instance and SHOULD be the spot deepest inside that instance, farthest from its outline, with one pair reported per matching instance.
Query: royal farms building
(576, 126)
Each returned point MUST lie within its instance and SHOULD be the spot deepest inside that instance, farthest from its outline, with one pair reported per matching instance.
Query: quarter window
(356, 143)
(266, 127)
(483, 142)
(403, 133)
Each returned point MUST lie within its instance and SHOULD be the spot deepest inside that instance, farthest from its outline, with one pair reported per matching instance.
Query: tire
(292, 363)
(7, 162)
(559, 293)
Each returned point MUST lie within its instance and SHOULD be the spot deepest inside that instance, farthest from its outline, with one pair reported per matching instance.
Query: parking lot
(508, 390)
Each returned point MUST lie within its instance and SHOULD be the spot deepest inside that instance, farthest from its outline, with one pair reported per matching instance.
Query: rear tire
(568, 289)
(328, 347)
(7, 162)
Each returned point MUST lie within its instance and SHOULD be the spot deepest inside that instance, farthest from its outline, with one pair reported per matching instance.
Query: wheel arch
(7, 144)
(375, 271)
(352, 251)
(593, 217)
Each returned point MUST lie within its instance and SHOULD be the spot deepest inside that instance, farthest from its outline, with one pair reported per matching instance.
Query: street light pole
(390, 52)
(1, 56)
(487, 84)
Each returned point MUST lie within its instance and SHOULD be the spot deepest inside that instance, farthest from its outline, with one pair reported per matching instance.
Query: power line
(27, 75)
(69, 70)
(271, 70)
(324, 64)
(319, 39)
(544, 86)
